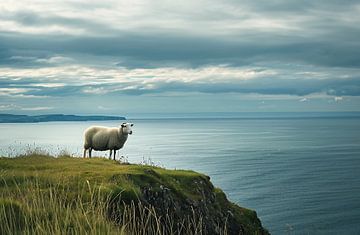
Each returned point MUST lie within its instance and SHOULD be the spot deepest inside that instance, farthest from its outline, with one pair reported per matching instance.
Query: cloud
(10, 107)
(55, 60)
(77, 80)
(338, 98)
(36, 108)
(94, 90)
(166, 33)
(35, 21)
(134, 50)
(103, 107)
(17, 92)
(5, 107)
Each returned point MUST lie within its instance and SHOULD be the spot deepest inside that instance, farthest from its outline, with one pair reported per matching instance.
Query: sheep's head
(126, 128)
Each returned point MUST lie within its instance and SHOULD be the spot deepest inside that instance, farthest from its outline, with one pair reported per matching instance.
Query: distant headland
(12, 118)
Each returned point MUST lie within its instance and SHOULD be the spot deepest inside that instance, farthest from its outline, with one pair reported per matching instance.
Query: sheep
(102, 138)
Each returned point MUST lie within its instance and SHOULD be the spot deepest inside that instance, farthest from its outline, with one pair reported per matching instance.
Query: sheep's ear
(123, 125)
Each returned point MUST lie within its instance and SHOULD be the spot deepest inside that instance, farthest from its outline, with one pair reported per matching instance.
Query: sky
(141, 57)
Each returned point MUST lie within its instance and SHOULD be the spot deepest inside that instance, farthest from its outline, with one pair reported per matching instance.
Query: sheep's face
(126, 128)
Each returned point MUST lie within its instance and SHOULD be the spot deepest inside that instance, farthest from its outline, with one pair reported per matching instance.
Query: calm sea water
(302, 176)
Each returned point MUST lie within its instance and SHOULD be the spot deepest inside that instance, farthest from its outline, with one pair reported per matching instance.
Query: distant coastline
(13, 118)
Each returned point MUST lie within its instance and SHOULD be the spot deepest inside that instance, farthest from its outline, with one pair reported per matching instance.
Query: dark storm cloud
(138, 50)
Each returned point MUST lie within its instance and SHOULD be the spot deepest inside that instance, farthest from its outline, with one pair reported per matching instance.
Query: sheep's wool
(106, 138)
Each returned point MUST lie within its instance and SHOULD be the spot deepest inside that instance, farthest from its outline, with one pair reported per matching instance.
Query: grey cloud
(139, 50)
(29, 18)
(265, 86)
(294, 6)
(322, 37)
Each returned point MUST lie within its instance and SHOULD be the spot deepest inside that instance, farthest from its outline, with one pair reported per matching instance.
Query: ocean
(300, 174)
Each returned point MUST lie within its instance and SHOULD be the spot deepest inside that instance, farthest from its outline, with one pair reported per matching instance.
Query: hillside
(92, 196)
(12, 118)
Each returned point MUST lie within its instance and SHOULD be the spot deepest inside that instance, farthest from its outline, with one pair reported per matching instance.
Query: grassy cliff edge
(88, 196)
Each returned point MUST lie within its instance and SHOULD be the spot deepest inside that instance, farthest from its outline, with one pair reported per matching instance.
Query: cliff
(126, 198)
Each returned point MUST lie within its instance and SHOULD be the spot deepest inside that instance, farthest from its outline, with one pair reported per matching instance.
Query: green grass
(42, 194)
(29, 208)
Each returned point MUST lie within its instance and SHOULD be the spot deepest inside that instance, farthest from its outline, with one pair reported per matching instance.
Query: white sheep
(102, 138)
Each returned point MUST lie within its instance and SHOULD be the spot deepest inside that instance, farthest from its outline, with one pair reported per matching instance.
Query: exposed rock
(205, 203)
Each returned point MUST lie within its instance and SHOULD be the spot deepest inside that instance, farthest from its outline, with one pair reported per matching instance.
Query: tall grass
(34, 206)
(139, 219)
(29, 208)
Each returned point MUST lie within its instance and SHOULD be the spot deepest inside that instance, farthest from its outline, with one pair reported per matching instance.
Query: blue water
(301, 175)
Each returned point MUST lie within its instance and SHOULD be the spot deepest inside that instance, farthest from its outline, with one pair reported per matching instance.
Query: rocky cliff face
(193, 199)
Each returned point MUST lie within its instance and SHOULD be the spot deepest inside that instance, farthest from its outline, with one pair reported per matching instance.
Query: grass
(42, 194)
(32, 210)
(28, 208)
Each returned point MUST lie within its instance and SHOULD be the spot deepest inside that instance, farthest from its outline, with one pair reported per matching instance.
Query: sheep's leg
(84, 152)
(114, 154)
(110, 154)
(90, 149)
